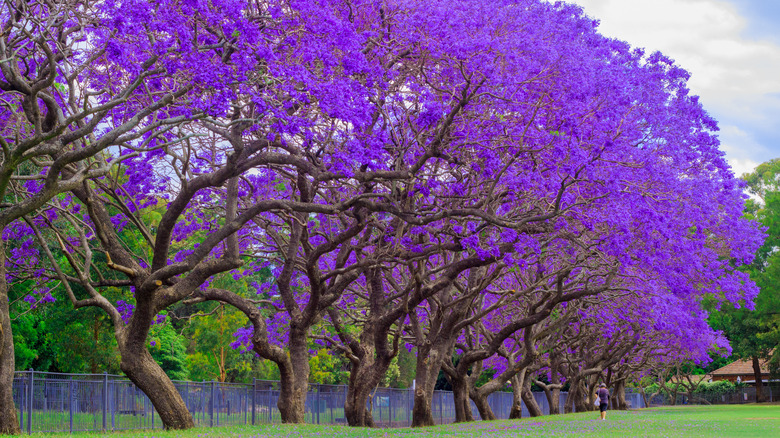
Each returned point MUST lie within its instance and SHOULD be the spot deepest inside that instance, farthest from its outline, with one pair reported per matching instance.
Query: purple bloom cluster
(493, 180)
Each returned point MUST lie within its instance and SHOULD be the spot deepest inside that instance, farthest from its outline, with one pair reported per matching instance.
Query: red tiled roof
(740, 368)
(696, 378)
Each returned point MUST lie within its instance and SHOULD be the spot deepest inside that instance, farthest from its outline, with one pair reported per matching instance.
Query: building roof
(740, 368)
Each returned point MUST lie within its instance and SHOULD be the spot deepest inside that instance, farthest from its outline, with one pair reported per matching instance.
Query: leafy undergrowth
(689, 421)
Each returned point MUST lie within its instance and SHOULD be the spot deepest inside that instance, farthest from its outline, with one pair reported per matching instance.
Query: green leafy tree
(755, 334)
(169, 350)
(53, 337)
(328, 368)
(210, 355)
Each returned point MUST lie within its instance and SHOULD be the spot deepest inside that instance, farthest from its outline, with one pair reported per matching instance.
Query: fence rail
(54, 402)
(745, 394)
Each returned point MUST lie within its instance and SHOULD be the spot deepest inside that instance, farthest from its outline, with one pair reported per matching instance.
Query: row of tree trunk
(363, 380)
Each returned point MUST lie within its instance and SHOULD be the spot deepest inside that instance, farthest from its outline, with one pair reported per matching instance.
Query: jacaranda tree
(76, 79)
(392, 164)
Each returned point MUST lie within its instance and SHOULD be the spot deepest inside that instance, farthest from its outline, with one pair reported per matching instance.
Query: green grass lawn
(750, 420)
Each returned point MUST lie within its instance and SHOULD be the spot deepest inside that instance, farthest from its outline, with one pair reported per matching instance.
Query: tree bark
(480, 395)
(9, 423)
(518, 380)
(530, 402)
(644, 395)
(485, 411)
(294, 380)
(553, 394)
(554, 398)
(144, 371)
(552, 390)
(361, 383)
(460, 392)
(569, 407)
(366, 374)
(429, 361)
(591, 391)
(759, 381)
(620, 395)
(578, 400)
(555, 401)
(671, 395)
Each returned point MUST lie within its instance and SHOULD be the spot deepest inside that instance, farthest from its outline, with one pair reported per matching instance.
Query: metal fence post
(105, 400)
(24, 403)
(70, 404)
(204, 395)
(318, 403)
(30, 395)
(254, 399)
(211, 405)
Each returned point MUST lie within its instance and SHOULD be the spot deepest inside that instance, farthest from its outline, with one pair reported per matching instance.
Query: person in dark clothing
(603, 394)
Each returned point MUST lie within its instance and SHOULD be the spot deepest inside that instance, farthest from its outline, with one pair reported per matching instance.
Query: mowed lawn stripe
(751, 420)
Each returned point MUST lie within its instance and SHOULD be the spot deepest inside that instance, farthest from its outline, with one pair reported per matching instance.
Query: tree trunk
(591, 391)
(530, 402)
(460, 394)
(485, 411)
(555, 401)
(294, 383)
(620, 394)
(361, 382)
(9, 423)
(479, 395)
(644, 395)
(553, 394)
(422, 411)
(672, 395)
(144, 371)
(759, 381)
(366, 375)
(291, 401)
(518, 380)
(569, 407)
(429, 361)
(554, 398)
(577, 393)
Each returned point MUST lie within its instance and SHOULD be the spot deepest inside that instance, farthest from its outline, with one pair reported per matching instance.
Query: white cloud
(742, 166)
(738, 78)
(703, 36)
(740, 147)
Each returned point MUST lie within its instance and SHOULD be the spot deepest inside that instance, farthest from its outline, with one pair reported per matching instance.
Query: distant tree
(168, 349)
(754, 332)
(210, 354)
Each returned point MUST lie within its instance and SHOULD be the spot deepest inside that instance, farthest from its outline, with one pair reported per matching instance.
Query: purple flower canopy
(364, 163)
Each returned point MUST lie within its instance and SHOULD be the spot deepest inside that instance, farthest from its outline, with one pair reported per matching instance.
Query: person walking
(603, 394)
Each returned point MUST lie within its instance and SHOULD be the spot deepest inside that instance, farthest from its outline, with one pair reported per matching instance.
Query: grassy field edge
(750, 420)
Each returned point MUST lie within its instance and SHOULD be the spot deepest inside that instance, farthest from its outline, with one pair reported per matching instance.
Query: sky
(732, 50)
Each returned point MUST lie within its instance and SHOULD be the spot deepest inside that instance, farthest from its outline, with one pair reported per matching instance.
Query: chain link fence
(54, 402)
(741, 395)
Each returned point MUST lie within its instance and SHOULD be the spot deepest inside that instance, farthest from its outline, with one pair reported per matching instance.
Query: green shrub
(715, 388)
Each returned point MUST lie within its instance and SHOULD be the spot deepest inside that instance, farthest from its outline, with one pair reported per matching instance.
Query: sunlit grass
(685, 421)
